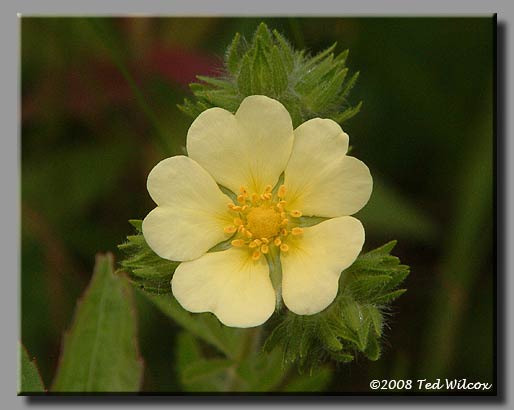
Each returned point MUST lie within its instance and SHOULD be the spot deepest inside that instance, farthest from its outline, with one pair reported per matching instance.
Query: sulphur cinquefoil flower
(247, 153)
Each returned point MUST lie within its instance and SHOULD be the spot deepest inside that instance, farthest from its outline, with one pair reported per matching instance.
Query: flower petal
(192, 210)
(229, 284)
(250, 148)
(314, 262)
(320, 179)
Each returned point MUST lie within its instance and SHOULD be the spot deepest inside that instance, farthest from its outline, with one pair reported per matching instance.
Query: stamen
(241, 199)
(230, 229)
(281, 191)
(255, 198)
(237, 242)
(253, 244)
(264, 249)
(248, 233)
(236, 208)
(296, 213)
(284, 247)
(277, 241)
(284, 222)
(238, 222)
(283, 232)
(243, 191)
(258, 242)
(265, 240)
(297, 231)
(256, 255)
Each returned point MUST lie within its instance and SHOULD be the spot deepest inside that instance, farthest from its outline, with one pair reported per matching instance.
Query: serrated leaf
(308, 86)
(232, 56)
(279, 72)
(348, 113)
(29, 379)
(245, 80)
(389, 297)
(372, 351)
(322, 55)
(100, 351)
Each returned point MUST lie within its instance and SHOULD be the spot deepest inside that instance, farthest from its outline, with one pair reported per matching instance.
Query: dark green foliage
(352, 323)
(308, 86)
(143, 266)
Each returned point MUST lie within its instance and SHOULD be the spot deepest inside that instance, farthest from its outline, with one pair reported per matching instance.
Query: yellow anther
(243, 191)
(240, 228)
(264, 249)
(241, 199)
(236, 208)
(268, 189)
(255, 198)
(230, 229)
(231, 206)
(238, 221)
(253, 244)
(277, 241)
(244, 208)
(284, 222)
(284, 247)
(296, 213)
(237, 242)
(248, 233)
(283, 215)
(281, 191)
(297, 231)
(265, 240)
(256, 255)
(283, 232)
(258, 242)
(267, 196)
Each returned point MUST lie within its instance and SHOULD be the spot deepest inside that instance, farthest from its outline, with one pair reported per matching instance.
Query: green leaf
(29, 378)
(308, 86)
(227, 340)
(232, 56)
(100, 351)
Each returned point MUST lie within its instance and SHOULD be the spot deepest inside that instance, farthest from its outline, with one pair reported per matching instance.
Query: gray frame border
(10, 178)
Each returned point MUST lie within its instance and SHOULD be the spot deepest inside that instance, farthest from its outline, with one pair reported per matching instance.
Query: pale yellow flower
(247, 153)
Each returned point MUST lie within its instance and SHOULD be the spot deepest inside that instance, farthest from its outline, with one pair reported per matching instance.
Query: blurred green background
(425, 131)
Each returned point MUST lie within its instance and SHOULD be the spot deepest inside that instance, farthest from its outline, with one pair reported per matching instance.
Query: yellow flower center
(261, 221)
